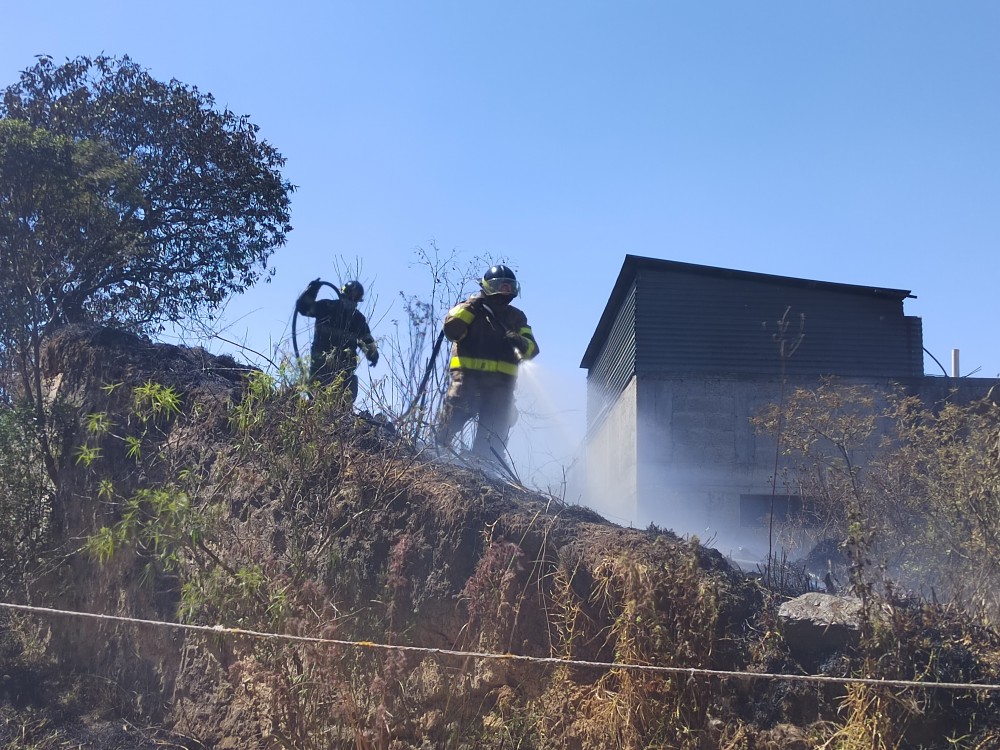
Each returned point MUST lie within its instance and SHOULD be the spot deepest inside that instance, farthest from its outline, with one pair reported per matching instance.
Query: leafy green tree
(155, 205)
(59, 200)
(127, 201)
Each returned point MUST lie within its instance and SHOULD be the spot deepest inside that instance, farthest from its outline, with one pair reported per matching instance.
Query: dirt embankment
(249, 507)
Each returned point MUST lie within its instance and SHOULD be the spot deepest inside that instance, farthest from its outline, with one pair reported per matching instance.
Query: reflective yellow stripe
(532, 346)
(483, 365)
(462, 313)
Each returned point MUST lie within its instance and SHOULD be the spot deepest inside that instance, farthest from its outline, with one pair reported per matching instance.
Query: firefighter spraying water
(490, 342)
(490, 339)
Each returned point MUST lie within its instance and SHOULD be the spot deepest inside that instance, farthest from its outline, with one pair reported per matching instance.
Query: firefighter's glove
(314, 285)
(516, 340)
(373, 359)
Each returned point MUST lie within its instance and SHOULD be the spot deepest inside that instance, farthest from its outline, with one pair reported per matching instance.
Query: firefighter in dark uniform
(490, 337)
(341, 329)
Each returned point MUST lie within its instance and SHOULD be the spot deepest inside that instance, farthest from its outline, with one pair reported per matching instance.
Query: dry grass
(306, 519)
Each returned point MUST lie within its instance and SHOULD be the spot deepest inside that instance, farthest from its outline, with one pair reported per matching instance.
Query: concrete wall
(696, 451)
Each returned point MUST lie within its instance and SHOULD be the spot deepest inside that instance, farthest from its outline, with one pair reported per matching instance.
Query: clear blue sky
(848, 141)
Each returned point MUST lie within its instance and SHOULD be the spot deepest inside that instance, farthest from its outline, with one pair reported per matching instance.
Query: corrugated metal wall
(703, 323)
(615, 365)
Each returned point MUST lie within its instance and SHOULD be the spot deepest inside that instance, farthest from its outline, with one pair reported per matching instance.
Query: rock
(817, 624)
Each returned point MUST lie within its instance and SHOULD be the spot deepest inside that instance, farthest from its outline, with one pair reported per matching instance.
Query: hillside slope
(211, 496)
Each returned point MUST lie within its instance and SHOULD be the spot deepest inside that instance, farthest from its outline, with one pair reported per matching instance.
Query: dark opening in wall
(755, 510)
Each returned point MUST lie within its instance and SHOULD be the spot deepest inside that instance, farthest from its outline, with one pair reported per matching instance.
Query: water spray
(553, 435)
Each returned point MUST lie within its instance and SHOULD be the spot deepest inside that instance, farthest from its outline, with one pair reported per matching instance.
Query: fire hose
(295, 315)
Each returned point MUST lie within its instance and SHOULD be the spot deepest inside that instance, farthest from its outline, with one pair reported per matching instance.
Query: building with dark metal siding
(684, 355)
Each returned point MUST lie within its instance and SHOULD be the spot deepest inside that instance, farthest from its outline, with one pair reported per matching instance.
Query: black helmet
(500, 280)
(352, 291)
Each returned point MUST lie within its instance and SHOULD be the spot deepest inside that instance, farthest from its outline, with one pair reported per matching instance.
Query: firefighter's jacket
(488, 337)
(340, 331)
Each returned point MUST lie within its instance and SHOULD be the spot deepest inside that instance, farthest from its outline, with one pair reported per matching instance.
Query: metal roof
(634, 263)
